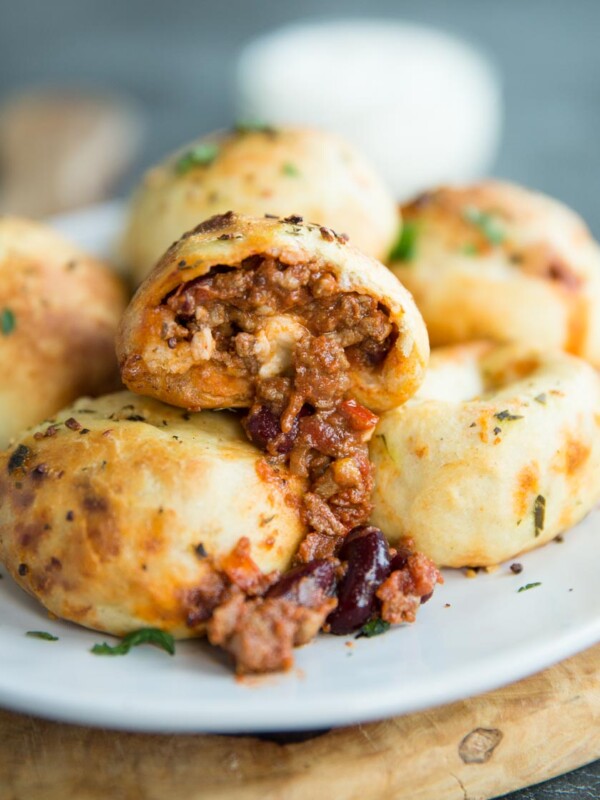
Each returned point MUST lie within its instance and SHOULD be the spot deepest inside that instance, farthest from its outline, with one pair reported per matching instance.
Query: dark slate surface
(176, 60)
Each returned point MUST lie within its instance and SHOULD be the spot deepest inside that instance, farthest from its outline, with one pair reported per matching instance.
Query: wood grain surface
(471, 750)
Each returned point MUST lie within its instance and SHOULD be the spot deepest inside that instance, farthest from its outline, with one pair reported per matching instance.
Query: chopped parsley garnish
(144, 636)
(7, 321)
(539, 513)
(487, 223)
(291, 170)
(385, 444)
(469, 249)
(506, 415)
(374, 627)
(528, 586)
(202, 155)
(48, 637)
(405, 247)
(18, 458)
(254, 126)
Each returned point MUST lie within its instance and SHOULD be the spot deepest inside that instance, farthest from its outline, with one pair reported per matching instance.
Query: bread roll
(59, 310)
(238, 300)
(115, 515)
(497, 454)
(260, 170)
(497, 261)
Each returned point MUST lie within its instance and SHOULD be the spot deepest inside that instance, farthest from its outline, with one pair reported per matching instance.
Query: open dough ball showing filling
(124, 513)
(240, 303)
(497, 261)
(260, 170)
(59, 311)
(497, 454)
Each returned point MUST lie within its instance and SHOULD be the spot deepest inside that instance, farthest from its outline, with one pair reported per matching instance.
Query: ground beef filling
(301, 416)
(301, 413)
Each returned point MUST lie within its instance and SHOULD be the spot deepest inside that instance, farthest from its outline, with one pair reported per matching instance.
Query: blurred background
(532, 98)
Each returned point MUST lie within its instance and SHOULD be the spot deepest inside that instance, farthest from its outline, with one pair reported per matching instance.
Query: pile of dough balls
(112, 505)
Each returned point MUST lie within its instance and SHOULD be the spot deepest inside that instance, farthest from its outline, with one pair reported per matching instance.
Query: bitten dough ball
(59, 311)
(184, 336)
(497, 454)
(497, 261)
(280, 171)
(113, 516)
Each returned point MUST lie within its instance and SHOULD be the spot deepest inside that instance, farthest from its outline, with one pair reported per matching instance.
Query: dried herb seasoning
(7, 321)
(202, 155)
(143, 636)
(405, 247)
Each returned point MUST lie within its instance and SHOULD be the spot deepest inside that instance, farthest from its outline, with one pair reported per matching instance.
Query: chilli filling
(297, 337)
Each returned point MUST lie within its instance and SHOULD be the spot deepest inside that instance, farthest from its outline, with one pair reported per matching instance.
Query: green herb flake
(7, 321)
(18, 458)
(469, 249)
(48, 637)
(144, 636)
(374, 627)
(254, 126)
(385, 444)
(406, 244)
(541, 398)
(528, 586)
(487, 223)
(539, 513)
(506, 415)
(202, 155)
(291, 170)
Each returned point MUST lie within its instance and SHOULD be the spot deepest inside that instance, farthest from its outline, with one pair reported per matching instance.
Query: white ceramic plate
(474, 635)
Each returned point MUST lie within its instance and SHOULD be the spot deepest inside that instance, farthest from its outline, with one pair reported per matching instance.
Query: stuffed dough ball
(59, 311)
(124, 513)
(240, 305)
(500, 262)
(256, 171)
(497, 454)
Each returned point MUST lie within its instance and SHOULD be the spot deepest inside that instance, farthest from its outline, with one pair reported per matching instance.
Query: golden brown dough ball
(59, 311)
(236, 302)
(497, 453)
(259, 171)
(498, 261)
(114, 516)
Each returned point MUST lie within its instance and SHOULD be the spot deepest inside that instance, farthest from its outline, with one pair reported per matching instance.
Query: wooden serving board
(475, 749)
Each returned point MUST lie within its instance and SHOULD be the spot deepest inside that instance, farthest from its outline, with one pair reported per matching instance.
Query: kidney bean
(262, 426)
(367, 553)
(308, 584)
(400, 560)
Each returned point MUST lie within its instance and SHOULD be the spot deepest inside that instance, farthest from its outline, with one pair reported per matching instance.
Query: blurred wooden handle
(61, 150)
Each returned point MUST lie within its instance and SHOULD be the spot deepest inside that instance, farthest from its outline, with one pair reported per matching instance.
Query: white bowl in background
(425, 107)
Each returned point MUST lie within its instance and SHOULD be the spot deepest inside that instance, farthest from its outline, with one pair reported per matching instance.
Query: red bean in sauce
(308, 584)
(367, 553)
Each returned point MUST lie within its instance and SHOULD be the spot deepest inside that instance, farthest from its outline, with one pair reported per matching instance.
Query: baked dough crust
(59, 312)
(500, 262)
(150, 366)
(497, 454)
(114, 525)
(272, 171)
